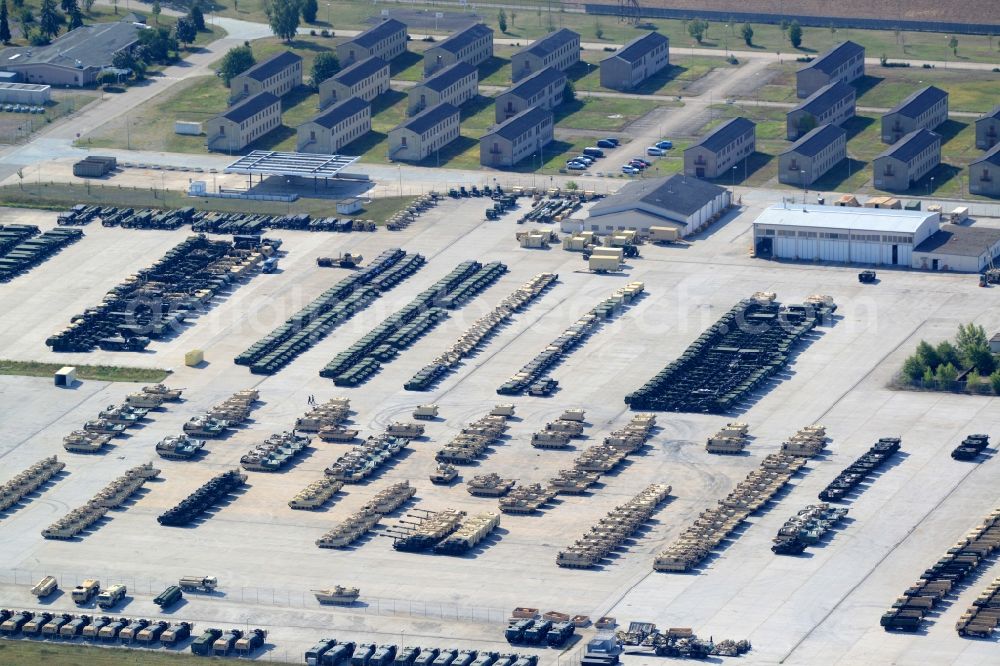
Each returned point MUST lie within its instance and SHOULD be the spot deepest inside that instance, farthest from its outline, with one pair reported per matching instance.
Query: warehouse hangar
(877, 236)
(687, 204)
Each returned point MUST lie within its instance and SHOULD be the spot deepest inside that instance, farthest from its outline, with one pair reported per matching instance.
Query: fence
(982, 388)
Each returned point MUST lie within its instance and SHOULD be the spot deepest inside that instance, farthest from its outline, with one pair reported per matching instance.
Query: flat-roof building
(424, 134)
(386, 39)
(277, 75)
(335, 127)
(964, 249)
(812, 156)
(75, 58)
(455, 84)
(717, 152)
(243, 123)
(519, 137)
(988, 129)
(559, 49)
(841, 234)
(366, 79)
(925, 109)
(677, 201)
(472, 44)
(25, 93)
(984, 174)
(907, 161)
(635, 62)
(832, 104)
(844, 62)
(544, 88)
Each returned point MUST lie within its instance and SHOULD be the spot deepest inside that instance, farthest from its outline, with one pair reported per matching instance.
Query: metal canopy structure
(305, 165)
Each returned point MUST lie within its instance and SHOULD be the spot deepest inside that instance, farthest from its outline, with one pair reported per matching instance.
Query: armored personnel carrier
(205, 426)
(489, 485)
(179, 447)
(81, 441)
(316, 494)
(338, 595)
(148, 401)
(337, 433)
(204, 497)
(569, 428)
(426, 412)
(971, 447)
(353, 528)
(408, 430)
(549, 439)
(504, 409)
(444, 474)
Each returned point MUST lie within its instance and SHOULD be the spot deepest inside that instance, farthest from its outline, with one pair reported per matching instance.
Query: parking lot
(819, 608)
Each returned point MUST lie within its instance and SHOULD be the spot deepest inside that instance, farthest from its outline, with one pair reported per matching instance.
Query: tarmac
(822, 607)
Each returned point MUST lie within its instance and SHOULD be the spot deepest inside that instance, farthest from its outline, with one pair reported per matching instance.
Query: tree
(928, 378)
(569, 93)
(155, 11)
(66, 5)
(236, 61)
(324, 66)
(75, 18)
(309, 10)
(107, 78)
(25, 19)
(947, 353)
(502, 21)
(928, 355)
(123, 59)
(49, 19)
(4, 23)
(913, 368)
(946, 376)
(747, 34)
(184, 31)
(198, 16)
(598, 30)
(953, 44)
(974, 348)
(158, 43)
(698, 29)
(283, 15)
(795, 34)
(88, 5)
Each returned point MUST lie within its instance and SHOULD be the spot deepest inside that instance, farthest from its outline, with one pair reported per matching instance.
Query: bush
(927, 355)
(325, 33)
(995, 382)
(913, 368)
(927, 65)
(312, 33)
(946, 376)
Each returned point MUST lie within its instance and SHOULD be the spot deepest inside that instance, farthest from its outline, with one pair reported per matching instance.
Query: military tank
(168, 394)
(124, 414)
(205, 426)
(179, 447)
(353, 528)
(149, 401)
(391, 498)
(337, 433)
(338, 595)
(315, 495)
(104, 426)
(573, 481)
(81, 441)
(489, 485)
(526, 499)
(444, 474)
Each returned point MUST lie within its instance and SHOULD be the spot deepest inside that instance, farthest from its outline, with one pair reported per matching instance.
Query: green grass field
(102, 373)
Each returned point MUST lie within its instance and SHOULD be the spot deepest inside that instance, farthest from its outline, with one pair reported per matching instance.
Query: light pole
(734, 175)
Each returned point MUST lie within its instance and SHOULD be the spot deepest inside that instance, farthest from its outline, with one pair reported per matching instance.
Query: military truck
(362, 654)
(198, 583)
(446, 658)
(515, 630)
(34, 625)
(110, 631)
(202, 645)
(132, 629)
(152, 633)
(426, 657)
(406, 656)
(486, 659)
(55, 625)
(339, 654)
(85, 591)
(176, 633)
(316, 652)
(250, 642)
(536, 634)
(464, 658)
(168, 597)
(225, 643)
(93, 629)
(383, 656)
(112, 596)
(73, 628)
(45, 587)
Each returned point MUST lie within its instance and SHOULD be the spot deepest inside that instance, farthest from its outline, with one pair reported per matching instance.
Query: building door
(700, 172)
(895, 255)
(934, 264)
(765, 248)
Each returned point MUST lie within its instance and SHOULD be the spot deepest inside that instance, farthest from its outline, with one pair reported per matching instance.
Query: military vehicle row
(28, 481)
(807, 442)
(470, 533)
(358, 524)
(111, 496)
(551, 210)
(618, 445)
(157, 300)
(114, 420)
(716, 524)
(224, 416)
(539, 632)
(473, 441)
(860, 469)
(557, 434)
(104, 628)
(366, 459)
(611, 531)
(222, 643)
(480, 331)
(276, 452)
(806, 528)
(316, 494)
(731, 438)
(963, 559)
(971, 447)
(676, 642)
(533, 373)
(734, 357)
(421, 204)
(982, 616)
(424, 529)
(33, 249)
(204, 498)
(325, 415)
(331, 652)
(328, 310)
(405, 326)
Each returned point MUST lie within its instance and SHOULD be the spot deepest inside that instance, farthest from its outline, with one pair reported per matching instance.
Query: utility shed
(958, 248)
(677, 201)
(842, 234)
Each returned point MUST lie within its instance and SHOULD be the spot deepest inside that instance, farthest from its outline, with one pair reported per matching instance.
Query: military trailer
(169, 597)
(45, 587)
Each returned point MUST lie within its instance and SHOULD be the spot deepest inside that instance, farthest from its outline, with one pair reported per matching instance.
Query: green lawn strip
(103, 373)
(49, 653)
(62, 196)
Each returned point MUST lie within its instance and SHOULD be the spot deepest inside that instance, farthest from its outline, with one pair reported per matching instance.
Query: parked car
(666, 144)
(586, 159)
(655, 152)
(636, 164)
(642, 161)
(612, 140)
(593, 151)
(606, 143)
(629, 169)
(576, 166)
